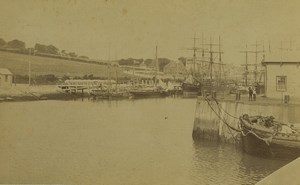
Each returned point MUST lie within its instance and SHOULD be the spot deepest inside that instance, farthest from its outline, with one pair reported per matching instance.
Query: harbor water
(119, 142)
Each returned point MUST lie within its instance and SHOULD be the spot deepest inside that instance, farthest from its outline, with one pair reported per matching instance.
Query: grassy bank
(18, 64)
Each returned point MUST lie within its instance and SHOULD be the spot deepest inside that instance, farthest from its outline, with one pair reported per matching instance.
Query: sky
(114, 29)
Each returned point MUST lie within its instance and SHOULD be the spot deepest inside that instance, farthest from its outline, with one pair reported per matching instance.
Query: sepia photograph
(149, 92)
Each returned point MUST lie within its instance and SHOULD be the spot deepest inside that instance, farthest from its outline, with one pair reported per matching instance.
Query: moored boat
(105, 94)
(155, 92)
(191, 89)
(263, 136)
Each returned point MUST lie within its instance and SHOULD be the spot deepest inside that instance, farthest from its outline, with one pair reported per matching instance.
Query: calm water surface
(128, 142)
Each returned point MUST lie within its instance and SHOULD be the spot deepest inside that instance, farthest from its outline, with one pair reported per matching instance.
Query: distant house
(282, 79)
(6, 77)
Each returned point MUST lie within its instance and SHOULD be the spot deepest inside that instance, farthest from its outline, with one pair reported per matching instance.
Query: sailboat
(107, 91)
(190, 86)
(117, 92)
(154, 91)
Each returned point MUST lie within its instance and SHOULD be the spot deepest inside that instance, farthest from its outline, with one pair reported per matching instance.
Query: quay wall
(217, 119)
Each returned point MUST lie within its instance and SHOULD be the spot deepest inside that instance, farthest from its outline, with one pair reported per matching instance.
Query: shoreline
(58, 96)
(22, 92)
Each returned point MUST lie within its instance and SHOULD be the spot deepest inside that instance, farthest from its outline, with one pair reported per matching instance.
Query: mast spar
(157, 66)
(211, 61)
(256, 52)
(194, 55)
(29, 68)
(156, 60)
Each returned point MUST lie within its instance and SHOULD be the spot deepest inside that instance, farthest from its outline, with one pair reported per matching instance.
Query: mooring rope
(266, 140)
(220, 107)
(235, 129)
(224, 121)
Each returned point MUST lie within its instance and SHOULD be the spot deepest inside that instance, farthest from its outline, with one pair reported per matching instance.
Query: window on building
(281, 83)
(6, 78)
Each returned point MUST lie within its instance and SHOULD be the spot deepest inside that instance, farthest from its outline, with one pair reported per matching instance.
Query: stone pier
(218, 119)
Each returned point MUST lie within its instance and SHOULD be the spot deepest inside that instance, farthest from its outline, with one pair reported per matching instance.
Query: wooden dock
(75, 86)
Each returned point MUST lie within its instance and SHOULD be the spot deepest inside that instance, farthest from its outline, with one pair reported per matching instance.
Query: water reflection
(225, 164)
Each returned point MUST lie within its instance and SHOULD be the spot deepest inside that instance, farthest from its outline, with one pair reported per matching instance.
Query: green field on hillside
(19, 63)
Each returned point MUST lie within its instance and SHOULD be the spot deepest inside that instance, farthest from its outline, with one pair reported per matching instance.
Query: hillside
(18, 64)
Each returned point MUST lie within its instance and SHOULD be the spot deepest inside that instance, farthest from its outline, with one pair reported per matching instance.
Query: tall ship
(205, 74)
(254, 72)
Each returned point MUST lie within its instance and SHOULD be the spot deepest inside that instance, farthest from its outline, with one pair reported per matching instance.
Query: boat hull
(275, 149)
(112, 95)
(150, 94)
(191, 89)
(267, 142)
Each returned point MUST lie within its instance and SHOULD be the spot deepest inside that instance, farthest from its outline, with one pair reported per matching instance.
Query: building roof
(5, 71)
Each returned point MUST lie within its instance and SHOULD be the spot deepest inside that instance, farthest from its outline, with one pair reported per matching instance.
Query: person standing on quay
(250, 93)
(254, 94)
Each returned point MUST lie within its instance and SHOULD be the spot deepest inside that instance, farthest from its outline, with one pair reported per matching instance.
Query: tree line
(17, 46)
(52, 51)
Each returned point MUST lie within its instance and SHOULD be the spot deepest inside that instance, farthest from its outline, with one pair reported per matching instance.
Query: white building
(282, 78)
(6, 77)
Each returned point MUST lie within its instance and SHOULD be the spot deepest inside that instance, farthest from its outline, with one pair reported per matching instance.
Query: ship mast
(246, 65)
(211, 57)
(220, 60)
(157, 66)
(195, 49)
(116, 68)
(256, 52)
(211, 52)
(202, 65)
(156, 60)
(108, 70)
(29, 68)
(194, 55)
(256, 55)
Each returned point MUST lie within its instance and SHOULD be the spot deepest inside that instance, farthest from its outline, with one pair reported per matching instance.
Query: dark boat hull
(267, 142)
(191, 89)
(113, 95)
(149, 94)
(275, 149)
